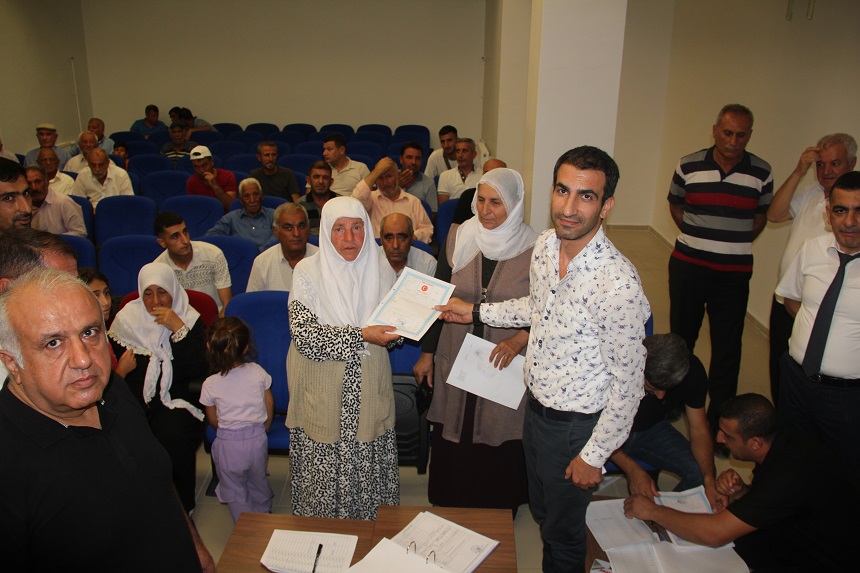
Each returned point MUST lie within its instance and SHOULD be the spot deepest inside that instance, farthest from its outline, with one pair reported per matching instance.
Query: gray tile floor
(650, 254)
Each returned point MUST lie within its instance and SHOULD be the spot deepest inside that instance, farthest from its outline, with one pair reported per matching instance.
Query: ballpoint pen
(317, 558)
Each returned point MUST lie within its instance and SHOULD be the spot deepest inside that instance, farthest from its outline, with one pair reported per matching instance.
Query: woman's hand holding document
(473, 372)
(409, 305)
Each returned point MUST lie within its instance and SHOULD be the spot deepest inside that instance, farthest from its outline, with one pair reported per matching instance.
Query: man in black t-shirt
(673, 376)
(786, 519)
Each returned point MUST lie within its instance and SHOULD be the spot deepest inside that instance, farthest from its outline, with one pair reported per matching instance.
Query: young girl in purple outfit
(238, 403)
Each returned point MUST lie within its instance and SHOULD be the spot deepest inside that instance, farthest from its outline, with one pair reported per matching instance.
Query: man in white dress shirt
(101, 179)
(52, 211)
(464, 176)
(273, 268)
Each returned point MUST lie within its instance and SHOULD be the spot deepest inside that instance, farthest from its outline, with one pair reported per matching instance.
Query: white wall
(283, 61)
(800, 78)
(37, 40)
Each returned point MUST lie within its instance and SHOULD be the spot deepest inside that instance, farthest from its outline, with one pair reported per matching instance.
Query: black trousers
(780, 325)
(694, 289)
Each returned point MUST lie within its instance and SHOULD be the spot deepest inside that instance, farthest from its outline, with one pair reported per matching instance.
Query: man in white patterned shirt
(585, 358)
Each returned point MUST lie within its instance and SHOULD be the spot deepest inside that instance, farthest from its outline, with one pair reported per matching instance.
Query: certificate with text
(408, 306)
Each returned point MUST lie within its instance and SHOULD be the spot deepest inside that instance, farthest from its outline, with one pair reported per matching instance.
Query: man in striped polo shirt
(718, 198)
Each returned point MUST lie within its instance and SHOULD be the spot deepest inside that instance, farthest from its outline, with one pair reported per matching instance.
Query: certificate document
(473, 372)
(408, 306)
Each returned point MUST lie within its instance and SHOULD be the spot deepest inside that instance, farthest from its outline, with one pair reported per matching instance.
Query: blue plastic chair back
(124, 215)
(298, 161)
(304, 128)
(88, 214)
(121, 259)
(345, 130)
(263, 128)
(148, 163)
(309, 148)
(227, 149)
(84, 248)
(200, 213)
(206, 137)
(141, 147)
(226, 129)
(374, 128)
(161, 185)
(127, 136)
(240, 254)
(243, 162)
(444, 218)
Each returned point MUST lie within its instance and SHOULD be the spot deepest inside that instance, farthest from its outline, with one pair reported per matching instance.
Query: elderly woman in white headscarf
(343, 450)
(168, 340)
(477, 456)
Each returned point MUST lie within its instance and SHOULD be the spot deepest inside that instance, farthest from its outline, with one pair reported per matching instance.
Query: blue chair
(21, 158)
(292, 138)
(134, 178)
(402, 137)
(240, 254)
(413, 128)
(298, 161)
(427, 208)
(266, 313)
(72, 174)
(117, 160)
(121, 258)
(226, 129)
(84, 248)
(200, 213)
(375, 137)
(314, 240)
(270, 201)
(319, 135)
(160, 185)
(396, 160)
(263, 128)
(243, 162)
(148, 163)
(444, 218)
(227, 149)
(127, 136)
(206, 137)
(184, 164)
(160, 138)
(304, 128)
(309, 148)
(345, 130)
(366, 159)
(374, 128)
(124, 215)
(394, 150)
(368, 148)
(141, 147)
(240, 175)
(249, 137)
(88, 214)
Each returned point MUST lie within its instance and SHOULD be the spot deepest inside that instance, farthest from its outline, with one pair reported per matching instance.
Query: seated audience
(319, 192)
(253, 221)
(52, 211)
(445, 157)
(208, 180)
(396, 235)
(16, 204)
(97, 126)
(149, 124)
(390, 198)
(57, 180)
(345, 172)
(464, 176)
(412, 180)
(101, 179)
(47, 134)
(193, 123)
(275, 180)
(273, 268)
(179, 145)
(781, 521)
(673, 376)
(197, 264)
(168, 339)
(87, 141)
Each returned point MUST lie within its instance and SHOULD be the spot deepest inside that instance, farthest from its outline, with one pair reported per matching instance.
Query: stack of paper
(429, 543)
(633, 548)
(296, 552)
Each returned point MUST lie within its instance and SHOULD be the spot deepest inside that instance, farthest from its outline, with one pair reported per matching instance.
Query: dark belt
(558, 415)
(833, 381)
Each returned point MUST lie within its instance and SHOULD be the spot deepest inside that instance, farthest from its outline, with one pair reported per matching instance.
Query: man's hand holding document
(409, 305)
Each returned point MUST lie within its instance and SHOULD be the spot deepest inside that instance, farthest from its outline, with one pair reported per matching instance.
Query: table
(494, 523)
(252, 532)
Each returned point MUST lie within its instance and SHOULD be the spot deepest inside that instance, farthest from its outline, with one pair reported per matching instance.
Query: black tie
(821, 326)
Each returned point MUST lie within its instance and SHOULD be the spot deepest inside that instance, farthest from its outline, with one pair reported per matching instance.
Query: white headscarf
(136, 329)
(345, 292)
(507, 240)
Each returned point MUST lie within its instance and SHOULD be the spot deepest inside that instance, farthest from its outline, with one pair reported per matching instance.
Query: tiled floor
(650, 254)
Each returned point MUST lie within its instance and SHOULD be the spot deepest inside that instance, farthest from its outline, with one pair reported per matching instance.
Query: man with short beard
(16, 205)
(101, 179)
(275, 180)
(52, 211)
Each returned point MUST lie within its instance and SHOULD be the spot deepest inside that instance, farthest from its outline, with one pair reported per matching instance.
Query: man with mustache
(275, 180)
(16, 204)
(718, 199)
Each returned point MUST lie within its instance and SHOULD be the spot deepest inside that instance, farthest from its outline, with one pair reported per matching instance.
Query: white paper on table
(707, 560)
(295, 551)
(473, 372)
(388, 557)
(636, 558)
(612, 529)
(690, 501)
(408, 306)
(454, 548)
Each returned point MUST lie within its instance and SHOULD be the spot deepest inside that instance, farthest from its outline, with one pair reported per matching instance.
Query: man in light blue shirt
(252, 221)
